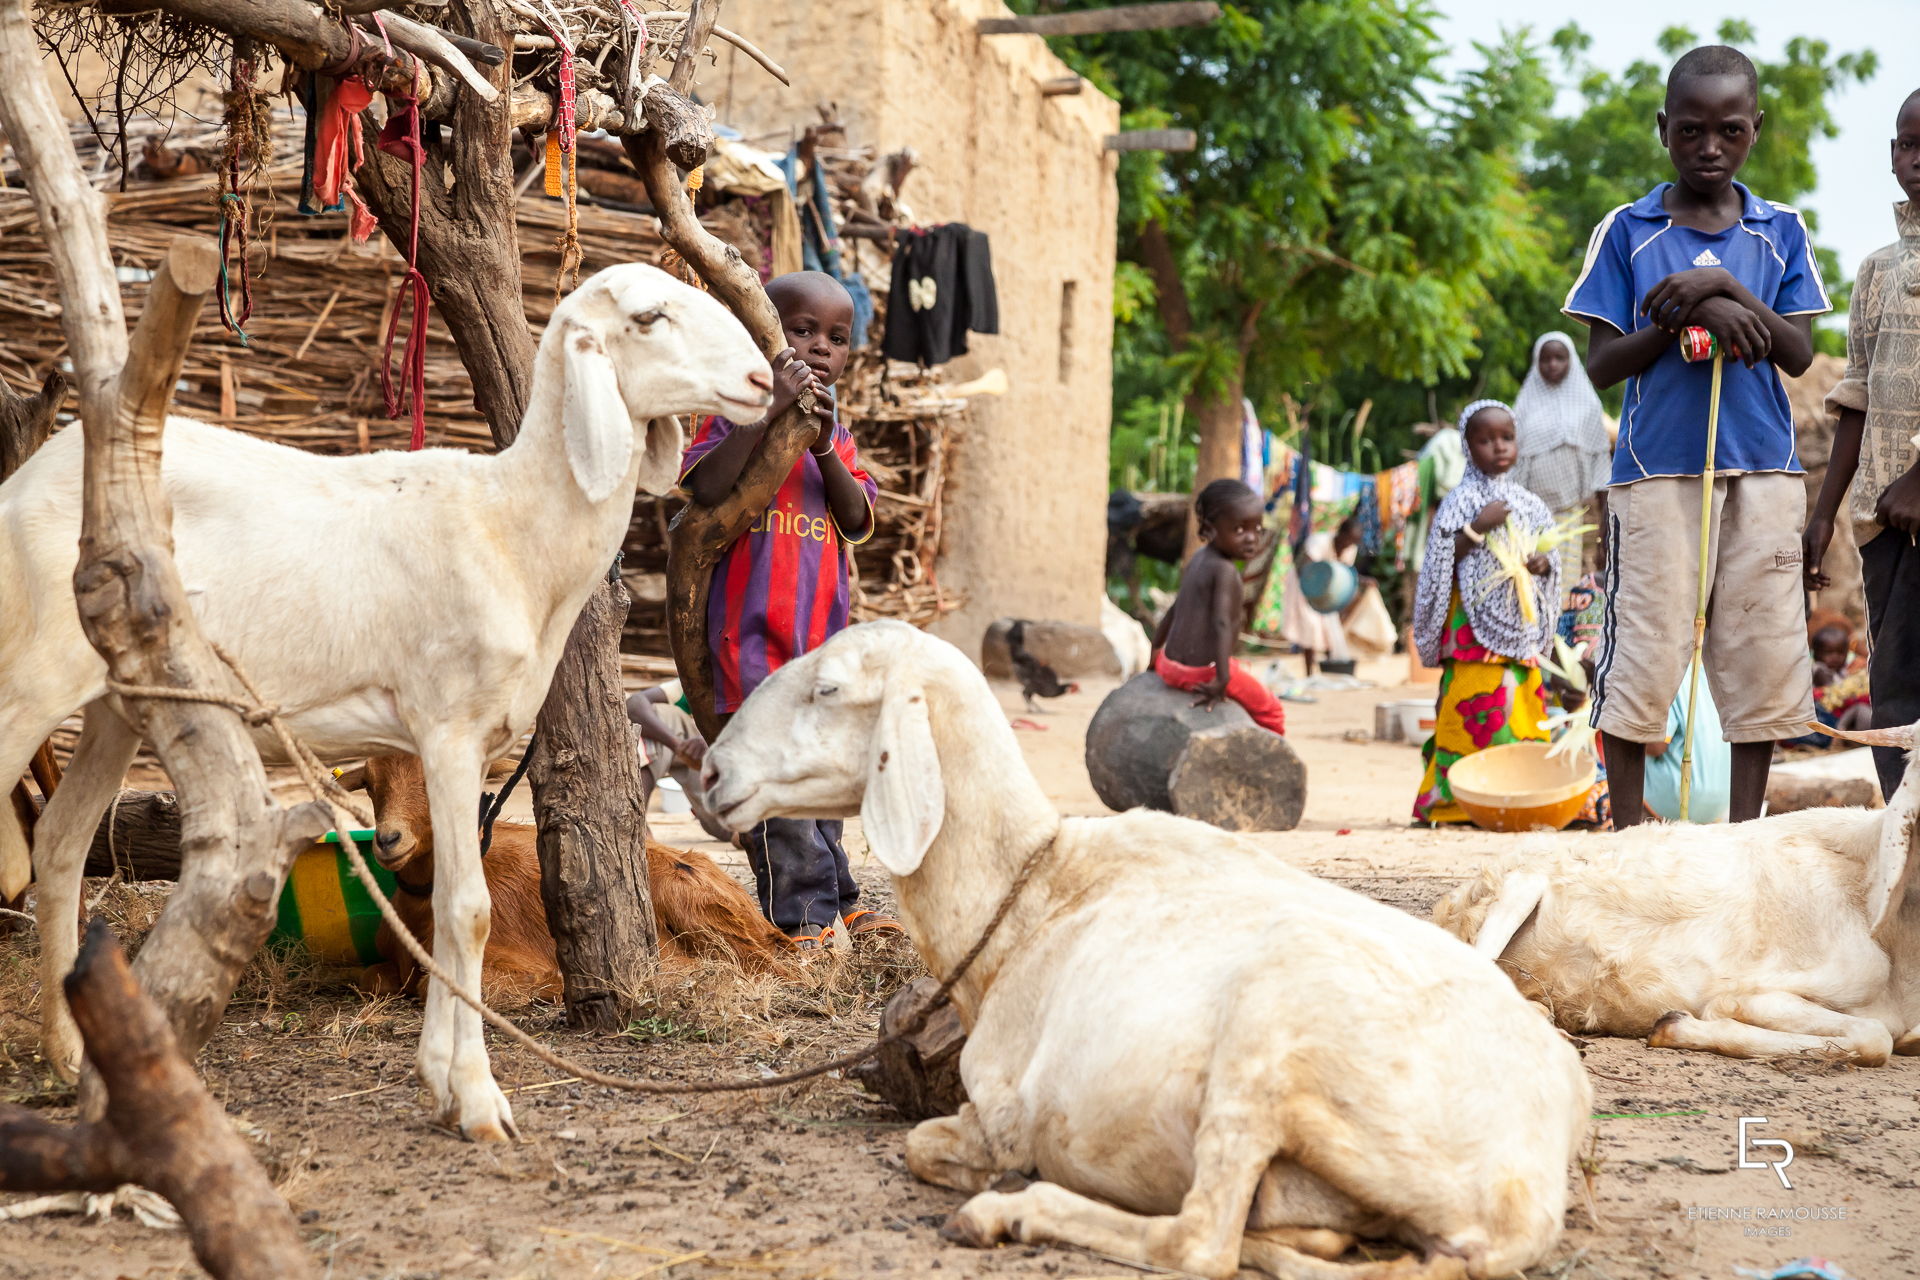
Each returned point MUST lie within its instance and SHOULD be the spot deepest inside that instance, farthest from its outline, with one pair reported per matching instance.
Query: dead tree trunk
(598, 901)
(702, 534)
(588, 800)
(161, 1130)
(238, 843)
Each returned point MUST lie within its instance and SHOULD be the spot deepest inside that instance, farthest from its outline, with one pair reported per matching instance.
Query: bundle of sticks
(308, 374)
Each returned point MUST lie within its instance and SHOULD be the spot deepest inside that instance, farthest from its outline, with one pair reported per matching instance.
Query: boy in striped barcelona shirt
(783, 587)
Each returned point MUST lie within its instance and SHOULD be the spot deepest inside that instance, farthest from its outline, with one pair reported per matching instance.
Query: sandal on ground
(866, 923)
(816, 940)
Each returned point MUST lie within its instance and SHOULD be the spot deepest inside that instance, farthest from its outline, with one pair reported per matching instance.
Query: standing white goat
(1292, 1066)
(386, 602)
(1784, 935)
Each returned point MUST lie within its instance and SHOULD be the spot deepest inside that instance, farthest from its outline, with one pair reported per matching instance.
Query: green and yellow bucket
(325, 906)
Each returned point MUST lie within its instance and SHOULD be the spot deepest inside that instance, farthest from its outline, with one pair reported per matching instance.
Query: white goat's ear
(660, 460)
(1897, 857)
(906, 799)
(1900, 738)
(598, 429)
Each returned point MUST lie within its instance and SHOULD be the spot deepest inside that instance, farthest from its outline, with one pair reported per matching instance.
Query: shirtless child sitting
(1193, 648)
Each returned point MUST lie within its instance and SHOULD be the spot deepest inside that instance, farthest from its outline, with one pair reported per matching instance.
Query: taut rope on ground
(326, 789)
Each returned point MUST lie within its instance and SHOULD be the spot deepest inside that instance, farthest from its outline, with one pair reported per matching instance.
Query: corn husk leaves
(1565, 664)
(1569, 529)
(1573, 730)
(1511, 547)
(1574, 734)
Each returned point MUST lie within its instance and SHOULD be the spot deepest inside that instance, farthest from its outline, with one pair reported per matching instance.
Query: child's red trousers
(1242, 686)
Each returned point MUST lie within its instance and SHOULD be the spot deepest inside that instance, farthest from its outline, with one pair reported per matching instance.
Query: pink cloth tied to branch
(337, 154)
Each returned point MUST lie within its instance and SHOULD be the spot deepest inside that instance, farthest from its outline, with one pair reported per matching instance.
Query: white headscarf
(1569, 415)
(1494, 612)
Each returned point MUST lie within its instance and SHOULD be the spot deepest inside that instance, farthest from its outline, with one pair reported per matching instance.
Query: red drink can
(1697, 344)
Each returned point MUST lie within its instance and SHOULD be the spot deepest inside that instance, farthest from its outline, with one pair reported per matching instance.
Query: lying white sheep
(386, 602)
(1785, 935)
(1213, 1059)
(1129, 639)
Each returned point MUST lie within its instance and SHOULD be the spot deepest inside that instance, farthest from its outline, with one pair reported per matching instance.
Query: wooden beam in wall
(1153, 140)
(1095, 22)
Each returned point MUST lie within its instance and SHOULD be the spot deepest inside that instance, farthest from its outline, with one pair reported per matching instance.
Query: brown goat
(699, 910)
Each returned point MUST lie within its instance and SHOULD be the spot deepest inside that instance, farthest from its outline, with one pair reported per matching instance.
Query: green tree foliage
(1343, 211)
(1355, 227)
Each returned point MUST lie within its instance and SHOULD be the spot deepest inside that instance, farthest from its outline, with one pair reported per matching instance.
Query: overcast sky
(1856, 191)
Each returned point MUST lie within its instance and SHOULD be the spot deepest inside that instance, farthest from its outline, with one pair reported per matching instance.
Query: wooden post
(1095, 22)
(161, 1129)
(1061, 86)
(1153, 140)
(238, 843)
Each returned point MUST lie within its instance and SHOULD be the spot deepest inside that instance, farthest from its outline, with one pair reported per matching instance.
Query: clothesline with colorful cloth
(1384, 502)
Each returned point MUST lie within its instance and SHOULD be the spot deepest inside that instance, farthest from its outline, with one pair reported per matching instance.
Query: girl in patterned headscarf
(1468, 619)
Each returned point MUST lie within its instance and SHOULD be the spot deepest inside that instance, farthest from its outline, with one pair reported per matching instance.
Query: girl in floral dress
(1467, 616)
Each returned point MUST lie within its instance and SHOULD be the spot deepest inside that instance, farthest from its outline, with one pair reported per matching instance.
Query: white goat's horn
(1901, 738)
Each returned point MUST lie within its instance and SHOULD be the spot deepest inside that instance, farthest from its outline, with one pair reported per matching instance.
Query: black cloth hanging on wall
(942, 288)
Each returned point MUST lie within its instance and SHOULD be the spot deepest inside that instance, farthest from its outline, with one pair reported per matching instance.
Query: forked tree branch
(161, 1130)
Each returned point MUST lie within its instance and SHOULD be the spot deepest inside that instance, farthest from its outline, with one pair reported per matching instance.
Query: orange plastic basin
(1517, 788)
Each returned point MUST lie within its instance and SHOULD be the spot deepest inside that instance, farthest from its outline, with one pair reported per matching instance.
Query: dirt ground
(810, 1183)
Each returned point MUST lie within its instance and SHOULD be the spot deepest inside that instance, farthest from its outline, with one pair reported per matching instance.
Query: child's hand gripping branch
(818, 322)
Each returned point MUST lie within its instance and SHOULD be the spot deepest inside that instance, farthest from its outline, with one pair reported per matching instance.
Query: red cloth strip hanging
(337, 154)
(401, 138)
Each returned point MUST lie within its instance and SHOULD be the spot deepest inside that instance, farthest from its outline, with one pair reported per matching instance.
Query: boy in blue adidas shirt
(1702, 251)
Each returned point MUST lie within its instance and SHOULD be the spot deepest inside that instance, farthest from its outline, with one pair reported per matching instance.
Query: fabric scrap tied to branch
(401, 139)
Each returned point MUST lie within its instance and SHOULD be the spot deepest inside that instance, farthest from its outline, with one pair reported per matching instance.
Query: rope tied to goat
(326, 789)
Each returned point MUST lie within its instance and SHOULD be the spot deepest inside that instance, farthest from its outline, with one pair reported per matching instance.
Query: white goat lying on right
(1290, 1066)
(1785, 935)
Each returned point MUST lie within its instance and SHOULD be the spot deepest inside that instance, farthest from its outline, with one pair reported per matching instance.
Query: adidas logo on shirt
(1706, 259)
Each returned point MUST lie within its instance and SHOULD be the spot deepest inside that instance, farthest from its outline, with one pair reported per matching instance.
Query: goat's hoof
(964, 1231)
(490, 1132)
(977, 1224)
(1661, 1036)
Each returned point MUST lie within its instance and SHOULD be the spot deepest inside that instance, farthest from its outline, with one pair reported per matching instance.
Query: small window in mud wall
(1069, 290)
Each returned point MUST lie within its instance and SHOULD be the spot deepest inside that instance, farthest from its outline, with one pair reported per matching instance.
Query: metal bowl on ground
(1328, 585)
(1516, 787)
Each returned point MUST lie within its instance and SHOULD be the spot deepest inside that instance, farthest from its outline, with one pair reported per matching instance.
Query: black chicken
(1037, 679)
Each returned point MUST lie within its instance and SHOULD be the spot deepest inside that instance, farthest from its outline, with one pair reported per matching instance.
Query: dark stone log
(1072, 651)
(1149, 747)
(920, 1076)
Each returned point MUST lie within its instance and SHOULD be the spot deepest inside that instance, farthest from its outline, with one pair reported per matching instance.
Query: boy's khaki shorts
(1756, 658)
